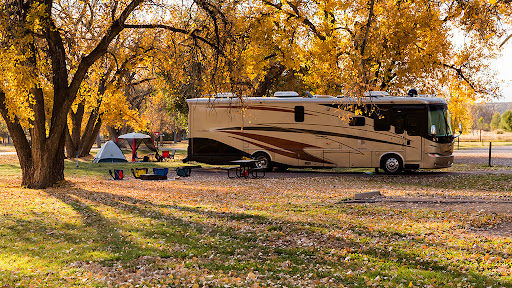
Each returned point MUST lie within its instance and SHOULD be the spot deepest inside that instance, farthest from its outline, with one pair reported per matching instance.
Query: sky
(503, 66)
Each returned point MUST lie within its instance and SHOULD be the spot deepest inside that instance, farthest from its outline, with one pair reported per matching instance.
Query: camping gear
(135, 139)
(139, 171)
(184, 171)
(117, 175)
(161, 171)
(153, 177)
(109, 153)
(168, 153)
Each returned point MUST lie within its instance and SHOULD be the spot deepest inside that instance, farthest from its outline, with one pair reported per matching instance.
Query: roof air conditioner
(286, 94)
(376, 94)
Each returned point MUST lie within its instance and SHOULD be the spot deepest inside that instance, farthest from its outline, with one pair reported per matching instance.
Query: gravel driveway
(501, 155)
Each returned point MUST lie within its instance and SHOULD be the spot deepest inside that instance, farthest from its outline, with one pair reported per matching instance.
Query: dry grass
(474, 135)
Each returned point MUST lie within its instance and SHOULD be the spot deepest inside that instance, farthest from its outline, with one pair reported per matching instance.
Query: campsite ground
(432, 229)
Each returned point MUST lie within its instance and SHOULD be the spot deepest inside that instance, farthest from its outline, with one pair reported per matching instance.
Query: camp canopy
(109, 153)
(135, 139)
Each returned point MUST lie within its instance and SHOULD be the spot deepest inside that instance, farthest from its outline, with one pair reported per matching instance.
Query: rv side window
(399, 125)
(381, 124)
(356, 121)
(299, 113)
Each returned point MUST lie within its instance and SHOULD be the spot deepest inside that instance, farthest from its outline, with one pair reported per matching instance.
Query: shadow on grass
(279, 247)
(264, 244)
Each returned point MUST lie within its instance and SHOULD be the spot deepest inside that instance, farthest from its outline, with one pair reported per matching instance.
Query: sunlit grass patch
(213, 231)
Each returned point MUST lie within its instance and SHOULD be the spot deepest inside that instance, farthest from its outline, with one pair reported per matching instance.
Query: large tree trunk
(46, 170)
(41, 160)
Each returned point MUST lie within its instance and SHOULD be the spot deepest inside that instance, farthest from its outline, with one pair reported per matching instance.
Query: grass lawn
(7, 148)
(211, 231)
(477, 144)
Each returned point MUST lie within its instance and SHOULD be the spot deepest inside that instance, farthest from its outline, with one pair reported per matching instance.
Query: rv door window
(356, 121)
(299, 113)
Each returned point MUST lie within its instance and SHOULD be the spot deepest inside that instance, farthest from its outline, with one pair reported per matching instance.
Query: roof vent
(322, 96)
(412, 93)
(376, 94)
(286, 94)
(222, 95)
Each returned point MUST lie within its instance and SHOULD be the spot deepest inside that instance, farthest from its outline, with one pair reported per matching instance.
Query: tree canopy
(68, 65)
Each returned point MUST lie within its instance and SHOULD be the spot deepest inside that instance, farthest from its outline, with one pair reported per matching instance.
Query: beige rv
(375, 131)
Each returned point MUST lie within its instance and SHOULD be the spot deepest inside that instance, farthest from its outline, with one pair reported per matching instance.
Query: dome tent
(109, 152)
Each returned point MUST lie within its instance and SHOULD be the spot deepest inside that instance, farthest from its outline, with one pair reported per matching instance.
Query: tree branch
(177, 30)
(115, 28)
(461, 74)
(297, 15)
(17, 134)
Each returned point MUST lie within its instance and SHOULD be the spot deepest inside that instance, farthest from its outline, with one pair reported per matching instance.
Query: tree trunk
(47, 170)
(89, 138)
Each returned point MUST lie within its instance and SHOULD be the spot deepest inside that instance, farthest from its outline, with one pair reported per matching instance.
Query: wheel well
(262, 152)
(388, 154)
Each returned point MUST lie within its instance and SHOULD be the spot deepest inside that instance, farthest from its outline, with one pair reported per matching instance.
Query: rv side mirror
(460, 128)
(433, 130)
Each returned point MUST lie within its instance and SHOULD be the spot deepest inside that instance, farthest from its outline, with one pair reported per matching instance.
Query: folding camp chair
(168, 155)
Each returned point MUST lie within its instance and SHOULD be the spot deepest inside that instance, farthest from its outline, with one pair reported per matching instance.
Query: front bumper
(437, 161)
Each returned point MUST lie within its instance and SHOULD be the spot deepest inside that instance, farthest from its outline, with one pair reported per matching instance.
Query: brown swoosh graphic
(260, 108)
(293, 149)
(264, 109)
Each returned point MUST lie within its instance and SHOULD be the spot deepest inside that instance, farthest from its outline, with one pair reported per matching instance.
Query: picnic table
(246, 169)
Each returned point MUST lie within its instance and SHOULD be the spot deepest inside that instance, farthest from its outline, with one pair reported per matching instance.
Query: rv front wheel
(264, 161)
(392, 164)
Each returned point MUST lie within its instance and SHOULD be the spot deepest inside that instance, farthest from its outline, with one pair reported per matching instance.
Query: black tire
(264, 161)
(392, 164)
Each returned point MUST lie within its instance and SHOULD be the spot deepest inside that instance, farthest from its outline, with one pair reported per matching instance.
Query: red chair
(167, 155)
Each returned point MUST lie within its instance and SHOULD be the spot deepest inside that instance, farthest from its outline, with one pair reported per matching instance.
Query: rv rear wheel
(264, 161)
(391, 164)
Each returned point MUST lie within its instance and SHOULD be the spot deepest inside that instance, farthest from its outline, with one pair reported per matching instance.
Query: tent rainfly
(135, 139)
(109, 152)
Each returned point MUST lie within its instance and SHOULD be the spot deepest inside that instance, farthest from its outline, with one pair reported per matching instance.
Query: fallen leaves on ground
(210, 231)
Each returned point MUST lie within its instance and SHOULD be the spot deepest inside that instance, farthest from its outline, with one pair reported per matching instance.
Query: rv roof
(344, 100)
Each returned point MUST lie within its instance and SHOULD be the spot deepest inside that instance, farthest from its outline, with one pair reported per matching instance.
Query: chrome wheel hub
(262, 162)
(392, 164)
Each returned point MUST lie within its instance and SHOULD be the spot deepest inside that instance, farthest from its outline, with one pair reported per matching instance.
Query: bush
(495, 121)
(506, 121)
(499, 131)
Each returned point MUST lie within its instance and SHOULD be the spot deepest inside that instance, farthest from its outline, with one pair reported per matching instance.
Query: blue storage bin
(161, 171)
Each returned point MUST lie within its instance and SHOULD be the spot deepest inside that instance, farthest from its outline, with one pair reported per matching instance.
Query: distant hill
(486, 110)
(498, 106)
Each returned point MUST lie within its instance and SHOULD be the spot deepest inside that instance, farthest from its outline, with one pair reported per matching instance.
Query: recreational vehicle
(374, 131)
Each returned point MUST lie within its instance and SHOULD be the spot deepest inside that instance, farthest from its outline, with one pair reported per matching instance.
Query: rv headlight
(434, 155)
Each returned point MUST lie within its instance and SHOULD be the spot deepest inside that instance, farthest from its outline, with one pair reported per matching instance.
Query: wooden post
(490, 153)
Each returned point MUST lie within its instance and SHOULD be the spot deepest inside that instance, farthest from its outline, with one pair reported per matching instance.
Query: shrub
(495, 121)
(506, 121)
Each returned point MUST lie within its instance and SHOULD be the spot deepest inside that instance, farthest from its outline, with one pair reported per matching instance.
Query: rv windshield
(439, 116)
